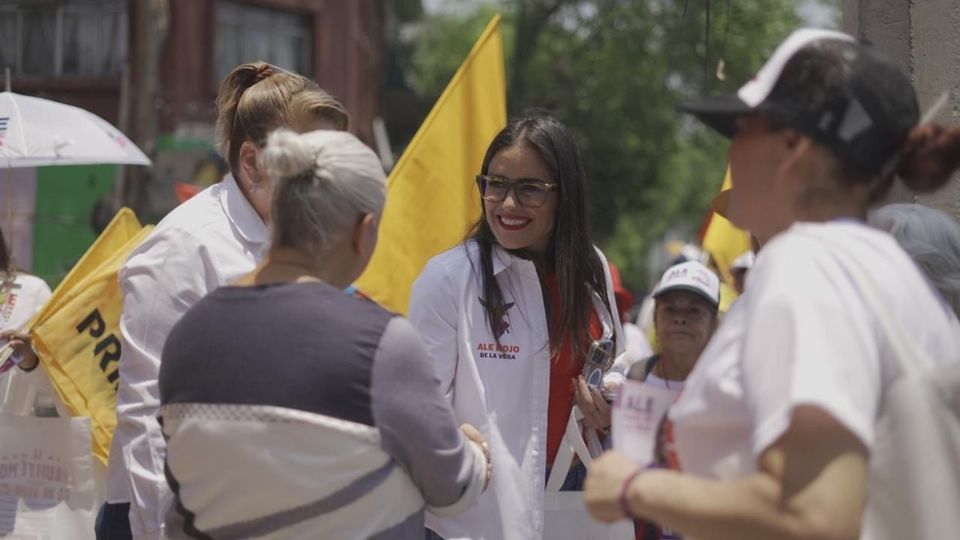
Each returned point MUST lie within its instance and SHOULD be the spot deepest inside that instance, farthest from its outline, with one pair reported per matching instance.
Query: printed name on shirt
(492, 350)
(8, 301)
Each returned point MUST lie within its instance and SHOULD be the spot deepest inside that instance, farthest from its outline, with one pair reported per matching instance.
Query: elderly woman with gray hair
(931, 238)
(293, 410)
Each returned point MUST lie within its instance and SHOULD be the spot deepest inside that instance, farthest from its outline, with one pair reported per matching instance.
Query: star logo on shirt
(503, 326)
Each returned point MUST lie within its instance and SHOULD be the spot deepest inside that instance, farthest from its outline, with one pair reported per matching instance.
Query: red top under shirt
(563, 368)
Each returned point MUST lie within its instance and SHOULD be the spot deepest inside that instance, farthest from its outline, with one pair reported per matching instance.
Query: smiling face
(684, 322)
(516, 226)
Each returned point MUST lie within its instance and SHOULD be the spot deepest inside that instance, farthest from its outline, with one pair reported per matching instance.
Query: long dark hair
(7, 271)
(571, 254)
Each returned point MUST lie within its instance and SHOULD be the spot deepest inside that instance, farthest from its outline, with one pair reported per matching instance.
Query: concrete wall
(922, 36)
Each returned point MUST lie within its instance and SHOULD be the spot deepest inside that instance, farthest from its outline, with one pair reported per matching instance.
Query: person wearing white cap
(827, 374)
(685, 316)
(686, 303)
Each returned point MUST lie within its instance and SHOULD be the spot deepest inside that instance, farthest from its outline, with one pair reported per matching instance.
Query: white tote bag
(914, 480)
(47, 482)
(565, 515)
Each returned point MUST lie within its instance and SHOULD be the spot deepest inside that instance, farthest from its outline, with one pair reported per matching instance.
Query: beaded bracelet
(624, 506)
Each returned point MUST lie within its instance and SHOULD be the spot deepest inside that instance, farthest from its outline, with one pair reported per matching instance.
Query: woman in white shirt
(508, 317)
(777, 422)
(210, 240)
(21, 297)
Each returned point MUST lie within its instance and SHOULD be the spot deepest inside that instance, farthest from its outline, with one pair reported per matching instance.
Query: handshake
(477, 438)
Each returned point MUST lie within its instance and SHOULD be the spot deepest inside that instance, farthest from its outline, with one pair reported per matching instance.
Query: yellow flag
(725, 242)
(76, 334)
(432, 198)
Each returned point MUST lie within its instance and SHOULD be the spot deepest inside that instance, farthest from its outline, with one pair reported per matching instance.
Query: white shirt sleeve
(160, 282)
(809, 340)
(40, 299)
(434, 313)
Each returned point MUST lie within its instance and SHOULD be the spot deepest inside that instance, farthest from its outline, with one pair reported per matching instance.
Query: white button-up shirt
(502, 390)
(203, 244)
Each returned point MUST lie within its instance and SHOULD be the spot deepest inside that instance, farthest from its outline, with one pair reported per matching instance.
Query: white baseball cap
(691, 276)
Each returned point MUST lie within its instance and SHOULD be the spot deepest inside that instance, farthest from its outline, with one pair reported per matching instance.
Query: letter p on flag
(77, 335)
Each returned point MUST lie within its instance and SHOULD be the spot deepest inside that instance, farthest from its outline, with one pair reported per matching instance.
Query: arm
(433, 312)
(160, 282)
(811, 485)
(417, 426)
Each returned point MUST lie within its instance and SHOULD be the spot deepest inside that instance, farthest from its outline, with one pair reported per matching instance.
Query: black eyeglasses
(529, 193)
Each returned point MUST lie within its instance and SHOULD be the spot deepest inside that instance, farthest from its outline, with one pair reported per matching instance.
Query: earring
(254, 187)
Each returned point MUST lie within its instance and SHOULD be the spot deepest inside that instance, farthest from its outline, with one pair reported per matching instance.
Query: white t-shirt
(803, 335)
(659, 382)
(21, 302)
(18, 305)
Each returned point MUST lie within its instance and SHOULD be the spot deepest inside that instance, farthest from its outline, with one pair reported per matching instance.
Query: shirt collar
(502, 260)
(241, 214)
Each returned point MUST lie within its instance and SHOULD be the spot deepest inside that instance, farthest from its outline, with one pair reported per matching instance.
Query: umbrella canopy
(38, 132)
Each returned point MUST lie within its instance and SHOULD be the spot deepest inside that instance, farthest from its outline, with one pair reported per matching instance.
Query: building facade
(83, 52)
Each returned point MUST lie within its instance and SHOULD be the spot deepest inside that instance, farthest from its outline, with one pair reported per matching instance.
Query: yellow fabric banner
(432, 199)
(76, 335)
(725, 242)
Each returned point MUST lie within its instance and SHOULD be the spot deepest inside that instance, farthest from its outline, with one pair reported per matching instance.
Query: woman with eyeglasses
(509, 316)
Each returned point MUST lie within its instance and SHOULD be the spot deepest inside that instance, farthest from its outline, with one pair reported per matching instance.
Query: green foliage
(614, 71)
(444, 41)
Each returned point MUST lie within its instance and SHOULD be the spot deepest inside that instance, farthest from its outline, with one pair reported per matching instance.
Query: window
(247, 33)
(63, 37)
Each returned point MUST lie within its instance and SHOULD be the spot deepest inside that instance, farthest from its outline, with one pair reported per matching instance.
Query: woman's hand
(475, 436)
(595, 409)
(20, 341)
(604, 484)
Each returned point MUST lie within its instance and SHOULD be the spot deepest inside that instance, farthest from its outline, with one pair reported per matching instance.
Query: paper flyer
(637, 413)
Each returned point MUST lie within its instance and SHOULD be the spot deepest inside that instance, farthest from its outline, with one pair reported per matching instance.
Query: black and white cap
(851, 99)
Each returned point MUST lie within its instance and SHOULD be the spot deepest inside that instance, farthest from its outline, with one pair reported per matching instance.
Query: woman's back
(294, 409)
